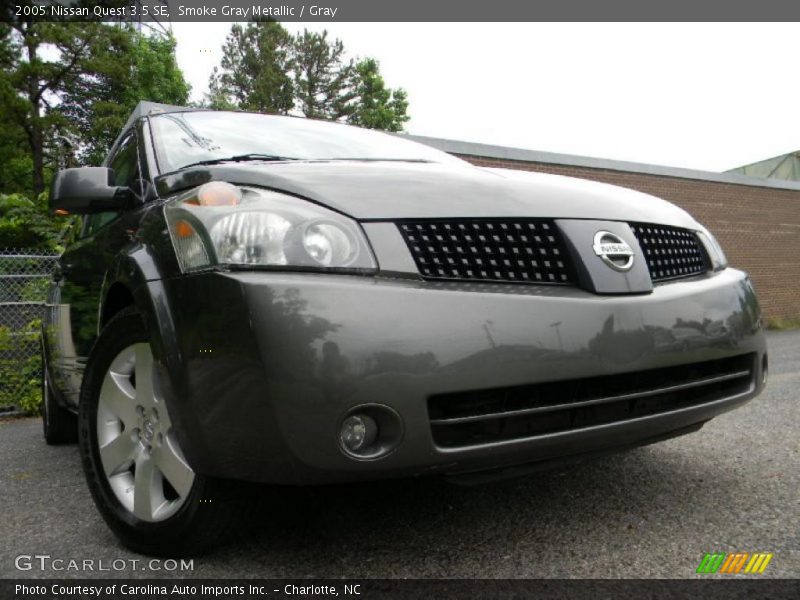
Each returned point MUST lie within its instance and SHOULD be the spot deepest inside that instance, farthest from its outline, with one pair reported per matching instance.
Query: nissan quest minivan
(288, 301)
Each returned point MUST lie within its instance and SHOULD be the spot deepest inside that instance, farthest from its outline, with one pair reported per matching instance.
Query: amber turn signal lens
(60, 212)
(218, 193)
(183, 229)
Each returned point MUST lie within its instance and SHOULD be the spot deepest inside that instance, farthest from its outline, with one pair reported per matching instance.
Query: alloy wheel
(142, 460)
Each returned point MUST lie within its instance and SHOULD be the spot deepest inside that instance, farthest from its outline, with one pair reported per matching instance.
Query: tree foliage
(255, 70)
(20, 380)
(24, 223)
(322, 77)
(99, 99)
(377, 106)
(264, 69)
(32, 81)
(66, 90)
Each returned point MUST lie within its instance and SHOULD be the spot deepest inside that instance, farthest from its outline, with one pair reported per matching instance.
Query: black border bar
(710, 588)
(402, 11)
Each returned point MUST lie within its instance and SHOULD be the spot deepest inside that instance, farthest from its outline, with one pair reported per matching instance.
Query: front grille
(670, 252)
(487, 416)
(518, 250)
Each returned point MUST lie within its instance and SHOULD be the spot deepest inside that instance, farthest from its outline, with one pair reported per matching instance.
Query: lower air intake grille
(670, 252)
(487, 416)
(527, 251)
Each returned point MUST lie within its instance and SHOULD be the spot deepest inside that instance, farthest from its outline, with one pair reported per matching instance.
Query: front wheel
(140, 480)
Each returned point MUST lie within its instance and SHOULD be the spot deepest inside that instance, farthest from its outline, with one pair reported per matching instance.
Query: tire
(59, 425)
(176, 515)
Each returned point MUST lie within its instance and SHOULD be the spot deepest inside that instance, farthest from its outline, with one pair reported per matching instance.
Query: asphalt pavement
(651, 512)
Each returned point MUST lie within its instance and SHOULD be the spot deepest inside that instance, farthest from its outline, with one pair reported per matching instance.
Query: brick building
(756, 220)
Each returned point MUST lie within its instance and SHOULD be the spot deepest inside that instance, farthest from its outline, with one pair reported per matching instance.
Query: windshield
(186, 138)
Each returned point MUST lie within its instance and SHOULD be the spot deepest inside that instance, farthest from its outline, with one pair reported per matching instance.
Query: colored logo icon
(734, 562)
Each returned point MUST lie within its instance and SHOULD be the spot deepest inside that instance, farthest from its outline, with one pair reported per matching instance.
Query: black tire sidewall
(122, 331)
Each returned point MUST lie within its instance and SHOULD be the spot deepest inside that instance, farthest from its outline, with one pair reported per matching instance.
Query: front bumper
(262, 367)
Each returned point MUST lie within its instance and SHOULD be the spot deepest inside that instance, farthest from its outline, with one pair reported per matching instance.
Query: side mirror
(87, 190)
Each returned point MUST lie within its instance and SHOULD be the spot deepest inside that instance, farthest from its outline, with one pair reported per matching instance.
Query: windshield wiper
(241, 158)
(361, 159)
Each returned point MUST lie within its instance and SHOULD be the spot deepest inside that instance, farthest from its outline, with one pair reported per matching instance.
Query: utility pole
(492, 343)
(556, 326)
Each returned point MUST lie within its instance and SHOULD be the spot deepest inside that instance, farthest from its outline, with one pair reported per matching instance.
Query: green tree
(33, 81)
(68, 86)
(217, 96)
(98, 100)
(255, 70)
(65, 91)
(264, 69)
(322, 76)
(377, 106)
(17, 171)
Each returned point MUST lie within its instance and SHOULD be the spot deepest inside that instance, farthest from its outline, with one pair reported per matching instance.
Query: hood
(403, 190)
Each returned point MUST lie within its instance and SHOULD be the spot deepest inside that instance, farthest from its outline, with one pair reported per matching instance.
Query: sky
(702, 96)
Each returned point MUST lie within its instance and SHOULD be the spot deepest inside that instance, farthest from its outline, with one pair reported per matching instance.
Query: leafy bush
(20, 367)
(781, 324)
(24, 223)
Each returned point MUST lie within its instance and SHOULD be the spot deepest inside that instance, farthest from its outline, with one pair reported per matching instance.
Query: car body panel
(271, 362)
(389, 190)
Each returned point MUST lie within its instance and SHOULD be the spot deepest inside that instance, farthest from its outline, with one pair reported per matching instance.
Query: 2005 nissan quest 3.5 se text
(282, 300)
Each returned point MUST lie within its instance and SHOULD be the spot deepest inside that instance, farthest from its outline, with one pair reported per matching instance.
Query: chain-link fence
(24, 278)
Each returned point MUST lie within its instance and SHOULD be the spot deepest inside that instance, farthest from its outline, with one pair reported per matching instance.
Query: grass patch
(781, 324)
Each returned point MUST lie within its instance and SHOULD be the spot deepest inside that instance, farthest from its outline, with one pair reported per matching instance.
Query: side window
(97, 221)
(126, 171)
(126, 163)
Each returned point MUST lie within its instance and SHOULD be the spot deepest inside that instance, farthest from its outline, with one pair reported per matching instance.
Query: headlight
(222, 224)
(718, 259)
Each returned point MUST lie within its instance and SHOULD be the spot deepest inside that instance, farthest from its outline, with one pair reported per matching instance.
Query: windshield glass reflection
(185, 138)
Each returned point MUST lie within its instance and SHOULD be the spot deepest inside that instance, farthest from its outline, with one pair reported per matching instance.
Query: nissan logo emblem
(613, 250)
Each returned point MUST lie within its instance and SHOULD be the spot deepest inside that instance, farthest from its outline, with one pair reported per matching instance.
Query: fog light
(358, 432)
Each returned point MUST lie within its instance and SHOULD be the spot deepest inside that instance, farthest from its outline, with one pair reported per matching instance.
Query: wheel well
(117, 298)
